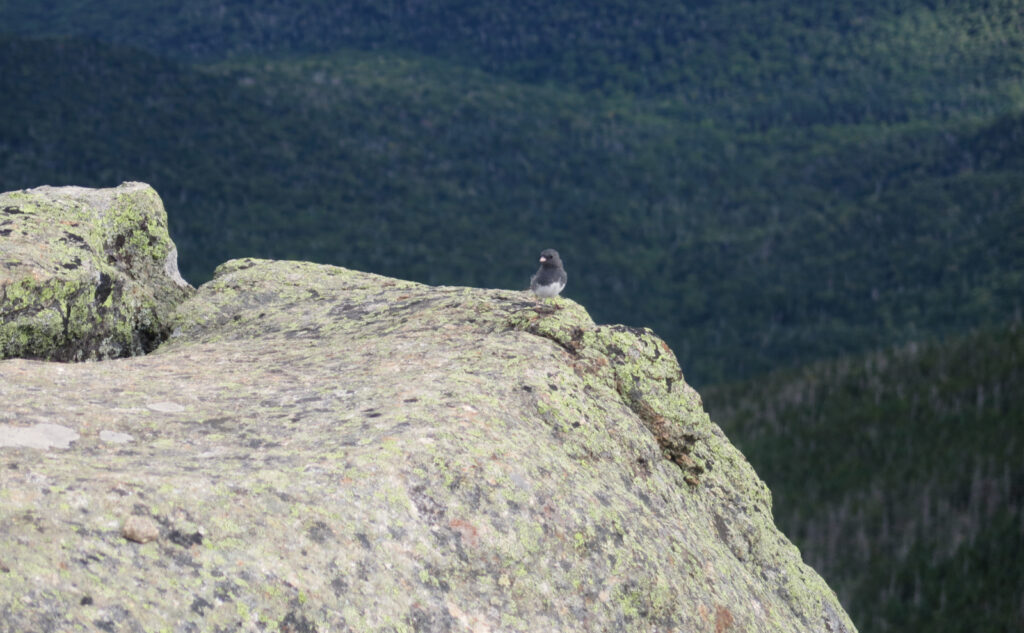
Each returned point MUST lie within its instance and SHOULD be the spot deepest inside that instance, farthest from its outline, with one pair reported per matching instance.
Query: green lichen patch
(324, 449)
(85, 274)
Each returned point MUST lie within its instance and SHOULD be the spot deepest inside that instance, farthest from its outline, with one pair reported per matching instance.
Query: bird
(550, 278)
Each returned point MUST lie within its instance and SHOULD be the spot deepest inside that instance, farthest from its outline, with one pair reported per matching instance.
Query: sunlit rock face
(319, 449)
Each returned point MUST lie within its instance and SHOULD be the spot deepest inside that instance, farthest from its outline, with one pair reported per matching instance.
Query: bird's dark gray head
(549, 257)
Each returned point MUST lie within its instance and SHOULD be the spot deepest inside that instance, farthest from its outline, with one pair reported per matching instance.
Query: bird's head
(549, 257)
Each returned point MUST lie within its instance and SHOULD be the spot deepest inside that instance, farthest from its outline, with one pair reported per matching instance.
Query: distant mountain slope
(746, 250)
(900, 475)
(766, 62)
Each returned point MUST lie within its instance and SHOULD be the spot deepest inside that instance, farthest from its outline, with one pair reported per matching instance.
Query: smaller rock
(140, 529)
(42, 436)
(113, 437)
(87, 274)
(165, 407)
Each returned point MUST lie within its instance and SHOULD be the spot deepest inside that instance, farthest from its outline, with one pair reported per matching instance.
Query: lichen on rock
(85, 273)
(322, 449)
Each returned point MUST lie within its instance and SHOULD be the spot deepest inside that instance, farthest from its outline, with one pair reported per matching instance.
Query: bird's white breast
(549, 290)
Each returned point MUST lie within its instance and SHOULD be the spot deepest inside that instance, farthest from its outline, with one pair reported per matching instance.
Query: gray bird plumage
(550, 278)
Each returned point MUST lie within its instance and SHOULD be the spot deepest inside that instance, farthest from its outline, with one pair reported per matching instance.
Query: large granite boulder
(85, 273)
(319, 449)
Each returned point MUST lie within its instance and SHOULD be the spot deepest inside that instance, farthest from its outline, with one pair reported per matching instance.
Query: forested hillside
(746, 249)
(900, 476)
(845, 61)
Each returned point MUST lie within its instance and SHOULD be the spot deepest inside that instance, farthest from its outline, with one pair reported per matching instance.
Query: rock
(140, 529)
(113, 437)
(349, 452)
(85, 273)
(41, 436)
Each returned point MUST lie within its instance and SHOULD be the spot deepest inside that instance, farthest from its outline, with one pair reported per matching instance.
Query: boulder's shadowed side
(318, 449)
(85, 273)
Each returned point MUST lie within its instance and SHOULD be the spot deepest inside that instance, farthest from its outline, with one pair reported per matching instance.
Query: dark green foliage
(763, 183)
(772, 60)
(746, 250)
(900, 475)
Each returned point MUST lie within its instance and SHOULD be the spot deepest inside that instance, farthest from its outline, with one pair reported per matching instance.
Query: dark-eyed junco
(550, 278)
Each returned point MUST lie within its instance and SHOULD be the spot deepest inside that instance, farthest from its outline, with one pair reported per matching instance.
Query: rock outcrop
(320, 449)
(85, 273)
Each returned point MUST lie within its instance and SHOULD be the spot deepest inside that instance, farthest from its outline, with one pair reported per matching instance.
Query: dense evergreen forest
(832, 192)
(763, 184)
(914, 511)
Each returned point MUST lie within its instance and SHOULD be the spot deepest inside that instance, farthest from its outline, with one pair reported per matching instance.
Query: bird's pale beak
(543, 259)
